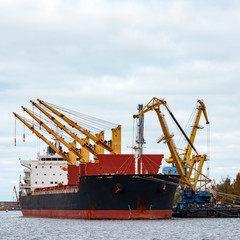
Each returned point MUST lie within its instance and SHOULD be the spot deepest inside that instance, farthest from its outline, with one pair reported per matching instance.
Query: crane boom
(17, 198)
(154, 104)
(58, 151)
(201, 108)
(50, 131)
(61, 126)
(79, 128)
(180, 164)
(172, 148)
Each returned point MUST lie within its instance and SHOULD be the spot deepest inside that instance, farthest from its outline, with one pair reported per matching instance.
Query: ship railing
(24, 186)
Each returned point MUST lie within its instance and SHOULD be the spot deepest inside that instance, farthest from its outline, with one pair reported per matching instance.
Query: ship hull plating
(107, 197)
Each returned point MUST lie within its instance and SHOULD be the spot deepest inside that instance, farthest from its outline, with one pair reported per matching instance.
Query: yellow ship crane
(15, 191)
(58, 151)
(201, 109)
(154, 104)
(82, 142)
(50, 131)
(116, 133)
(191, 163)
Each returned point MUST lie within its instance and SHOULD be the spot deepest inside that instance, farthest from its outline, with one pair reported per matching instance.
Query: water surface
(14, 226)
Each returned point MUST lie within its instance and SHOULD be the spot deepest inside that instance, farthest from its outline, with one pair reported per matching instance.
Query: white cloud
(102, 58)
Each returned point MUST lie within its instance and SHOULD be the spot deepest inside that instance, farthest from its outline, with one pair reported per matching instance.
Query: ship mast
(140, 129)
(139, 140)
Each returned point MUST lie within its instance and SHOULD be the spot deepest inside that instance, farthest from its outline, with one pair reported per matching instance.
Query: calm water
(14, 226)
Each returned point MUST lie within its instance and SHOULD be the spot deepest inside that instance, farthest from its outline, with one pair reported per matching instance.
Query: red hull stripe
(98, 214)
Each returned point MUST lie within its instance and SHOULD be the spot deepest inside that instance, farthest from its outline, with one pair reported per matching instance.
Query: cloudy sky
(104, 57)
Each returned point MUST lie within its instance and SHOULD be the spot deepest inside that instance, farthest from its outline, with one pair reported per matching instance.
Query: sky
(103, 58)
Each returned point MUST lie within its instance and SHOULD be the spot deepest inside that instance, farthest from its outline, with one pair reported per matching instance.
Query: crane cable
(47, 120)
(15, 132)
(133, 134)
(43, 130)
(158, 180)
(187, 128)
(208, 150)
(23, 127)
(50, 123)
(79, 115)
(84, 124)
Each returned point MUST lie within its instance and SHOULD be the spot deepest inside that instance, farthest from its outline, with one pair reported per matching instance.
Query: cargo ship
(112, 186)
(100, 191)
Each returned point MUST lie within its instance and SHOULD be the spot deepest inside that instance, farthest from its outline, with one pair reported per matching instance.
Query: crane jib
(175, 120)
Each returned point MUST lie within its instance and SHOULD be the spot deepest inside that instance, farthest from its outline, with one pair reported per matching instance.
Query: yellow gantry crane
(74, 153)
(186, 180)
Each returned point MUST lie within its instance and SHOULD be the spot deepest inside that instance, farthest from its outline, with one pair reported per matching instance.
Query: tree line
(231, 190)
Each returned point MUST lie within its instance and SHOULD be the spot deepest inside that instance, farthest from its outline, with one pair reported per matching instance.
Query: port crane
(39, 135)
(82, 142)
(201, 109)
(59, 138)
(116, 133)
(191, 163)
(113, 146)
(181, 164)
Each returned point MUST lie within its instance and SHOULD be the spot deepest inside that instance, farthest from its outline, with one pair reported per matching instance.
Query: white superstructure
(47, 170)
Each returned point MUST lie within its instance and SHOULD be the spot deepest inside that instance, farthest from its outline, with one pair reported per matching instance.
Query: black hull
(107, 195)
